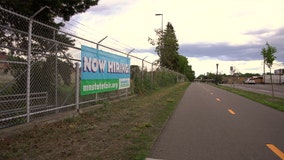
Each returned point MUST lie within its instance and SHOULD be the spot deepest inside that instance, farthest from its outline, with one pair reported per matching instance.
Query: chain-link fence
(39, 71)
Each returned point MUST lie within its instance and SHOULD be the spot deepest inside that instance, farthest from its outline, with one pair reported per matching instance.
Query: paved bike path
(210, 123)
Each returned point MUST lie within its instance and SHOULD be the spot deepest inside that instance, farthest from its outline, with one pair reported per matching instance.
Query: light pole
(162, 34)
(159, 14)
(217, 68)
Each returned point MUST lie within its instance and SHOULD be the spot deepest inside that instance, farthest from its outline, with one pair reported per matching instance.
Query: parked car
(249, 81)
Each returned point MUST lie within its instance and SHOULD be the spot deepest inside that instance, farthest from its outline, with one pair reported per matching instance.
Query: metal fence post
(143, 69)
(29, 68)
(152, 75)
(56, 73)
(126, 89)
(29, 61)
(77, 86)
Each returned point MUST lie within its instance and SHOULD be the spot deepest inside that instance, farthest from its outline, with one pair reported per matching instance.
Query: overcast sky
(227, 32)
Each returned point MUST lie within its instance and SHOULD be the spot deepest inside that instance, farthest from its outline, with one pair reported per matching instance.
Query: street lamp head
(158, 14)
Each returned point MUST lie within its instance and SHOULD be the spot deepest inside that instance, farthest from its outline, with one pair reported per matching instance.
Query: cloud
(245, 57)
(277, 40)
(221, 51)
(109, 7)
(227, 31)
(225, 51)
(257, 32)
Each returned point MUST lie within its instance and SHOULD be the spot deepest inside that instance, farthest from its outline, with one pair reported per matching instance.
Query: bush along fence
(41, 71)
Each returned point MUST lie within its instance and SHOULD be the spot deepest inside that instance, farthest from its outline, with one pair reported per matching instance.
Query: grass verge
(122, 130)
(274, 102)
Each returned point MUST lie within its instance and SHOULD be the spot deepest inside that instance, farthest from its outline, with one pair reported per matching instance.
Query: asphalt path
(261, 88)
(213, 124)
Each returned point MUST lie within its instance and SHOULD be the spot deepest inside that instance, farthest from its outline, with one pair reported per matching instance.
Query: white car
(250, 81)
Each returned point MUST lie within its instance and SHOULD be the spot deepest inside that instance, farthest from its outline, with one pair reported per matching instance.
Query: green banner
(98, 85)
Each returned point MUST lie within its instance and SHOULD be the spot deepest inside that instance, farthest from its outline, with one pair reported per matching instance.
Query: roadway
(261, 88)
(210, 124)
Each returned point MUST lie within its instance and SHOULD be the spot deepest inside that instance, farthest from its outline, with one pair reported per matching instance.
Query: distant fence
(276, 79)
(40, 71)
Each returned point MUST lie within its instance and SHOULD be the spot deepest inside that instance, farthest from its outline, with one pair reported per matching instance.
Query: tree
(167, 48)
(56, 8)
(184, 68)
(190, 74)
(182, 64)
(268, 57)
(60, 8)
(44, 52)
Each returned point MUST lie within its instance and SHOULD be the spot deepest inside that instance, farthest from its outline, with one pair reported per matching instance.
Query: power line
(87, 30)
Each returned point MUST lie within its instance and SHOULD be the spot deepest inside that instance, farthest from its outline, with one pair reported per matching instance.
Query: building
(279, 71)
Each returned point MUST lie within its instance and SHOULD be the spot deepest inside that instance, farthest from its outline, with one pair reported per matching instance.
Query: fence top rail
(32, 94)
(15, 62)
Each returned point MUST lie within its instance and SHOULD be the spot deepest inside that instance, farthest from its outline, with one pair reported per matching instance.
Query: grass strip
(274, 102)
(121, 130)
